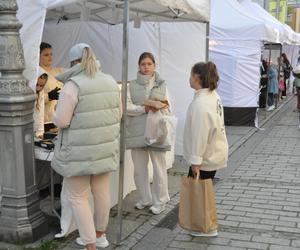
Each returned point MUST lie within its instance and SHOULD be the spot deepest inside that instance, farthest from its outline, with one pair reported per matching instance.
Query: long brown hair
(207, 74)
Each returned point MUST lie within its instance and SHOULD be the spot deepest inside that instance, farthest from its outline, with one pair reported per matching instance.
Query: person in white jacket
(39, 105)
(205, 145)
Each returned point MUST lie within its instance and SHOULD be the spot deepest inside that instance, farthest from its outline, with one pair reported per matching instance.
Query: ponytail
(207, 74)
(89, 62)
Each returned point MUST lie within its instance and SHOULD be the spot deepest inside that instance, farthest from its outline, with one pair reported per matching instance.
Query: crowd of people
(275, 82)
(83, 103)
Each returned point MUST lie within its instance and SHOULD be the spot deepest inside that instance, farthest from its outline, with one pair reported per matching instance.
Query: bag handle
(192, 175)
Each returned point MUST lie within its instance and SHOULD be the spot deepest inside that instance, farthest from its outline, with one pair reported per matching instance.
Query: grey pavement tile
(245, 244)
(278, 247)
(276, 241)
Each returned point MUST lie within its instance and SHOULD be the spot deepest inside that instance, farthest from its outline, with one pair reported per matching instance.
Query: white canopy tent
(289, 39)
(286, 36)
(236, 39)
(95, 14)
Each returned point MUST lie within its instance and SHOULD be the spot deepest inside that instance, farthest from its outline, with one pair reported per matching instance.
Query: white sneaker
(271, 108)
(101, 242)
(139, 205)
(157, 209)
(213, 233)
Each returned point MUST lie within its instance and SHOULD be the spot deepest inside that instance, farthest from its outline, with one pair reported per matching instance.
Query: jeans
(271, 98)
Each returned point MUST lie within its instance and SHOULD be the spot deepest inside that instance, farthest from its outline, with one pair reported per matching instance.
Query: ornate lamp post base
(21, 220)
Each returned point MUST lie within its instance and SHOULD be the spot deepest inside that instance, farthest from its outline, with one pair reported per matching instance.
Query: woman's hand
(196, 170)
(54, 94)
(150, 108)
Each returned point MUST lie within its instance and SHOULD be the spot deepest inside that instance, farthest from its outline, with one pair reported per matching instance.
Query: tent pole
(207, 42)
(123, 121)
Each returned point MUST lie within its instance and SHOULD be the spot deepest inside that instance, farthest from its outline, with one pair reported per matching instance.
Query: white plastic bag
(160, 130)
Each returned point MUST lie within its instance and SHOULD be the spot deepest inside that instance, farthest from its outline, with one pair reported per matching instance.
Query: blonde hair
(89, 62)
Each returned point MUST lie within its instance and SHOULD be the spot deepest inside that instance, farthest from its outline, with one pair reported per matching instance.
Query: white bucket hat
(76, 51)
(297, 69)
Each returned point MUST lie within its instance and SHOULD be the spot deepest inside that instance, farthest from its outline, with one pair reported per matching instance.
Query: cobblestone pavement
(258, 203)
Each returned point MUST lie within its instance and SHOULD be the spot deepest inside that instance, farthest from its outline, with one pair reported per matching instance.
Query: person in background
(263, 84)
(205, 145)
(296, 74)
(148, 86)
(287, 68)
(39, 105)
(272, 86)
(87, 149)
(52, 88)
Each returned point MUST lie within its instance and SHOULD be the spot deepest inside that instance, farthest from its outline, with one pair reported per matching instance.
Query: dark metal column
(21, 219)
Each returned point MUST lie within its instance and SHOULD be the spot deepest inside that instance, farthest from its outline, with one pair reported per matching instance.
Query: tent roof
(230, 21)
(32, 15)
(110, 11)
(286, 35)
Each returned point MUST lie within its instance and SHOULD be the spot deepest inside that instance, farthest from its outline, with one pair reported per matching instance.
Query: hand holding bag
(160, 130)
(197, 206)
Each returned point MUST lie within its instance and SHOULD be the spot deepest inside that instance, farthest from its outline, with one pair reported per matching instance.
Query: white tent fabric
(286, 35)
(230, 21)
(32, 15)
(235, 46)
(162, 39)
(238, 64)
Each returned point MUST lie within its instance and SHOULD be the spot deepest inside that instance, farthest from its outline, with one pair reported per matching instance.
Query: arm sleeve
(39, 115)
(46, 97)
(66, 104)
(198, 133)
(132, 109)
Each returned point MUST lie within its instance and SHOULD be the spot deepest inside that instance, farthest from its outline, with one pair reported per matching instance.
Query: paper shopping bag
(197, 206)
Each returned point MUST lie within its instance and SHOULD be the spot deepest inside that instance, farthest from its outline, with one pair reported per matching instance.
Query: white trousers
(159, 194)
(77, 190)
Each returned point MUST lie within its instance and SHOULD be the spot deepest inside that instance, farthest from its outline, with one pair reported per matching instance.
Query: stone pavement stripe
(276, 247)
(279, 223)
(230, 212)
(242, 219)
(285, 203)
(256, 226)
(212, 241)
(228, 223)
(288, 229)
(293, 219)
(283, 213)
(264, 201)
(296, 243)
(188, 245)
(263, 216)
(224, 248)
(246, 244)
(249, 209)
(282, 242)
(235, 236)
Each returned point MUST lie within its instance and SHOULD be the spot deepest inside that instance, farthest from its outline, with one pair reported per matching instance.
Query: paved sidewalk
(259, 202)
(250, 194)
